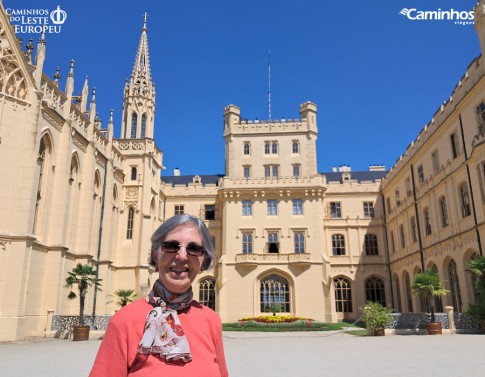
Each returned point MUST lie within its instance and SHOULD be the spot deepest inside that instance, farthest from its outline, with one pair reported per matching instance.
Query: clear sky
(376, 76)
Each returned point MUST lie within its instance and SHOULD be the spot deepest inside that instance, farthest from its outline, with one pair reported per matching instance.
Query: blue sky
(376, 76)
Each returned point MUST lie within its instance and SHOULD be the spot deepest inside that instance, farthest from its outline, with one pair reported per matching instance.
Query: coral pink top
(117, 356)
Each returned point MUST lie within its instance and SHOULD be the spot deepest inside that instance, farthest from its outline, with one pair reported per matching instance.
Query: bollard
(451, 319)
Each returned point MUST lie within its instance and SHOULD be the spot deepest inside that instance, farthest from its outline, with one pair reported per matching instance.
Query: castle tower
(139, 96)
(479, 14)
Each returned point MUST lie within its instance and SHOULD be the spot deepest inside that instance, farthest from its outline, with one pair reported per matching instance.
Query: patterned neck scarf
(163, 334)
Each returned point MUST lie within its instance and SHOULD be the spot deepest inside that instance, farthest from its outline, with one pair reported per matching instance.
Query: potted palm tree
(427, 284)
(82, 276)
(477, 310)
(376, 318)
(125, 296)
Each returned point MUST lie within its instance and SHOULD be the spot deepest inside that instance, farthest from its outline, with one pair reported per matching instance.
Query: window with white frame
(343, 295)
(370, 244)
(276, 170)
(338, 244)
(207, 293)
(375, 291)
(247, 148)
(247, 208)
(247, 171)
(274, 147)
(295, 148)
(296, 170)
(465, 200)
(247, 242)
(299, 241)
(369, 209)
(272, 207)
(335, 210)
(297, 207)
(273, 245)
(129, 226)
(274, 294)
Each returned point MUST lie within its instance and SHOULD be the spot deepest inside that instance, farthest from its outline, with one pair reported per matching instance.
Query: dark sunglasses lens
(171, 247)
(194, 249)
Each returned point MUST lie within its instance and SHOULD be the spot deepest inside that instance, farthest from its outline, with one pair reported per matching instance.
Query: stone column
(451, 319)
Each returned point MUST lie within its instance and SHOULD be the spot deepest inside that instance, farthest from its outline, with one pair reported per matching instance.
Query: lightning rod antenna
(269, 84)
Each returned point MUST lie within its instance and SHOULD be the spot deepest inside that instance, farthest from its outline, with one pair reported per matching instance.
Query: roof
(211, 179)
(358, 176)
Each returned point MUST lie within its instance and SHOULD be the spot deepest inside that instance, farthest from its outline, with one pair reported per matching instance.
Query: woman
(168, 334)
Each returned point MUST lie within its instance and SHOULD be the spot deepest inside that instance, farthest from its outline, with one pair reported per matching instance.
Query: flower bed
(275, 319)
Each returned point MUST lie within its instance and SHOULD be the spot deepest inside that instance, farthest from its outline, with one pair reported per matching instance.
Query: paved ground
(281, 354)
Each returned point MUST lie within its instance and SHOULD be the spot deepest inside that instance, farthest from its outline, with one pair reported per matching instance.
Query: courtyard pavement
(280, 354)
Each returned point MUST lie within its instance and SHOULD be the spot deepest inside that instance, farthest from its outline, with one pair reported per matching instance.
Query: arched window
(338, 244)
(414, 233)
(481, 118)
(465, 200)
(299, 242)
(397, 289)
(374, 290)
(427, 221)
(207, 293)
(343, 295)
(443, 212)
(43, 161)
(454, 286)
(143, 125)
(134, 121)
(275, 294)
(129, 226)
(409, 293)
(401, 236)
(247, 148)
(370, 244)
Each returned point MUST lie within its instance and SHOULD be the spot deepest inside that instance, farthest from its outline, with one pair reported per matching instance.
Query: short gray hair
(175, 222)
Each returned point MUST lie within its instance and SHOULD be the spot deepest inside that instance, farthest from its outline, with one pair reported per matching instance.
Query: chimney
(377, 168)
(176, 172)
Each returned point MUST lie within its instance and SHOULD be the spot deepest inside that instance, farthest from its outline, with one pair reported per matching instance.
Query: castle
(315, 244)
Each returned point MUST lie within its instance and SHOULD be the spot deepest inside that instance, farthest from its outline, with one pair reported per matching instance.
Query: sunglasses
(174, 246)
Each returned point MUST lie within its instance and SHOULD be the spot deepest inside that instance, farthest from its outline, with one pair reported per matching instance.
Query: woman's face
(178, 270)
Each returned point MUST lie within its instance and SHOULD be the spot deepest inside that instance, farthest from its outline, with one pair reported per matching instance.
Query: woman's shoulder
(204, 311)
(134, 311)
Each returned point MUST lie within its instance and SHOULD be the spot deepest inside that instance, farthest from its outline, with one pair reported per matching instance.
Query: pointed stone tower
(139, 95)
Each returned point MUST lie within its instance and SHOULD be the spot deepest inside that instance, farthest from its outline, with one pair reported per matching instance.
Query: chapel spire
(139, 94)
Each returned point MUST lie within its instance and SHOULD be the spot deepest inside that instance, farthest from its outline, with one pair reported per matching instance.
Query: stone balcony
(273, 258)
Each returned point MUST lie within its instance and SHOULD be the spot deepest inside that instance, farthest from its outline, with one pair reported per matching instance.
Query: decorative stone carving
(131, 198)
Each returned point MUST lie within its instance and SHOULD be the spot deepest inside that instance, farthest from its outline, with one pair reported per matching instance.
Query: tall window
(436, 161)
(247, 242)
(392, 243)
(247, 208)
(247, 148)
(276, 170)
(338, 244)
(133, 173)
(374, 290)
(407, 184)
(443, 212)
(297, 207)
(368, 209)
(397, 289)
(296, 170)
(335, 210)
(267, 147)
(427, 221)
(299, 242)
(388, 205)
(370, 244)
(210, 212)
(247, 171)
(272, 207)
(454, 145)
(295, 148)
(343, 295)
(420, 174)
(454, 285)
(274, 147)
(409, 293)
(271, 171)
(42, 184)
(398, 198)
(273, 242)
(143, 125)
(207, 293)
(481, 118)
(274, 294)
(179, 209)
(129, 226)
(465, 200)
(401, 236)
(414, 233)
(134, 121)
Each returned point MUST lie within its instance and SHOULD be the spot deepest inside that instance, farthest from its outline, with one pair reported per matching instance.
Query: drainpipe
(470, 185)
(100, 238)
(418, 224)
(386, 243)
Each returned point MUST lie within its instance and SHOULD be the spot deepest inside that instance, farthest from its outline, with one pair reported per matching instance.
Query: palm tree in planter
(125, 296)
(83, 277)
(477, 310)
(427, 284)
